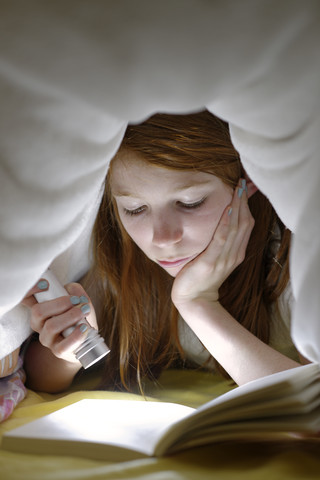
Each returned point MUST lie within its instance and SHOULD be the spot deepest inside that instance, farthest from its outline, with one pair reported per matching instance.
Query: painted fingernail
(230, 211)
(75, 300)
(83, 327)
(242, 188)
(83, 299)
(85, 308)
(43, 284)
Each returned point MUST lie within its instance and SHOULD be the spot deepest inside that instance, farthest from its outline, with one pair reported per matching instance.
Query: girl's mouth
(173, 263)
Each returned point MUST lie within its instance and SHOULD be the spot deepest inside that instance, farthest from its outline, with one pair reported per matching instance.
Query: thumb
(77, 290)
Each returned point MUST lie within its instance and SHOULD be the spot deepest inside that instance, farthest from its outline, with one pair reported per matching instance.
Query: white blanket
(70, 266)
(72, 74)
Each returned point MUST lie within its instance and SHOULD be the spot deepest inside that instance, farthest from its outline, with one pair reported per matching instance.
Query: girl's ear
(250, 185)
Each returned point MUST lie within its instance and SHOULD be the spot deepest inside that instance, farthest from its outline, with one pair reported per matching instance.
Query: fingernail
(75, 300)
(230, 211)
(83, 327)
(85, 308)
(43, 284)
(242, 188)
(83, 299)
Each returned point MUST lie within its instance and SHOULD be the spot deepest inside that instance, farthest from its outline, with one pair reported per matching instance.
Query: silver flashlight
(93, 348)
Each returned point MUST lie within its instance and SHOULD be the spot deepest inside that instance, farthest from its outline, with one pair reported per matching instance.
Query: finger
(227, 229)
(208, 258)
(245, 225)
(239, 198)
(41, 286)
(59, 305)
(65, 347)
(237, 234)
(76, 289)
(41, 313)
(54, 327)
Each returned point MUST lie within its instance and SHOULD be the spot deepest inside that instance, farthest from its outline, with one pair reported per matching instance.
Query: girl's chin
(173, 271)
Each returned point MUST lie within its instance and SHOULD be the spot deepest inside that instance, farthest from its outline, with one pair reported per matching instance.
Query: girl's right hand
(52, 317)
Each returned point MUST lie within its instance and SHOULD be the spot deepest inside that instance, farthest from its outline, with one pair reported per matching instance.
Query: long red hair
(138, 319)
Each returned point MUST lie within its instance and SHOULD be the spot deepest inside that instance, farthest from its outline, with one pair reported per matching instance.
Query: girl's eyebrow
(123, 193)
(199, 183)
(181, 188)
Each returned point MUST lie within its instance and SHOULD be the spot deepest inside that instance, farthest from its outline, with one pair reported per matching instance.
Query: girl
(190, 265)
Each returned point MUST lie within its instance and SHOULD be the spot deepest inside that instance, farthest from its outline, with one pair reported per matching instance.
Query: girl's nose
(166, 231)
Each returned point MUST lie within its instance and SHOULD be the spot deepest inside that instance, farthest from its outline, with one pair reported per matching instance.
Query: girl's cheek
(137, 233)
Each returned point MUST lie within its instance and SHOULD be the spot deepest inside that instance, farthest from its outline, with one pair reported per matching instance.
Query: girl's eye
(193, 205)
(136, 211)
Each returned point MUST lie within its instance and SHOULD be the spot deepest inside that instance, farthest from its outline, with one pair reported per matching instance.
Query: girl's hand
(203, 276)
(52, 317)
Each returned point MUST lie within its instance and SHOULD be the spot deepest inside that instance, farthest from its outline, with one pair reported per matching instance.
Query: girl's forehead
(138, 179)
(130, 172)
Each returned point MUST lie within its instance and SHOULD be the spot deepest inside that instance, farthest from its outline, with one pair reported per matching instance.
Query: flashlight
(93, 348)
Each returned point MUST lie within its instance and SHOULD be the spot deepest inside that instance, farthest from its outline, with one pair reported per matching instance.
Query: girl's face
(171, 215)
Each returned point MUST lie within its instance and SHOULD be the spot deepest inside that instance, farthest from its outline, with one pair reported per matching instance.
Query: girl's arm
(241, 353)
(45, 372)
(49, 362)
(195, 294)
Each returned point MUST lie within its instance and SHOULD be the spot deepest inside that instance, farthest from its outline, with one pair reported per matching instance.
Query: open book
(118, 430)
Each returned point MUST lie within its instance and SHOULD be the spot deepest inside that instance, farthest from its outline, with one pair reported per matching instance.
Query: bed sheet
(241, 461)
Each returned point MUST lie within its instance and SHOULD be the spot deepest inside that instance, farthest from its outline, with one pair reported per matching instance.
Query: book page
(266, 397)
(133, 425)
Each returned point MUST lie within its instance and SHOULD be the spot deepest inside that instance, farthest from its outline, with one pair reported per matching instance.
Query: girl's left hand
(203, 276)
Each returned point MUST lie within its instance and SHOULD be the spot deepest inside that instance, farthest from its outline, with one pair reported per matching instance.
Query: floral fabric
(12, 391)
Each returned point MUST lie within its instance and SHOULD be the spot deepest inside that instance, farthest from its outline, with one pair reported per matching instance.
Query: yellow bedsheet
(300, 460)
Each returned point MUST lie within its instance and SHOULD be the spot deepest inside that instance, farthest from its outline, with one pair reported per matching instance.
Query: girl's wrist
(189, 300)
(192, 308)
